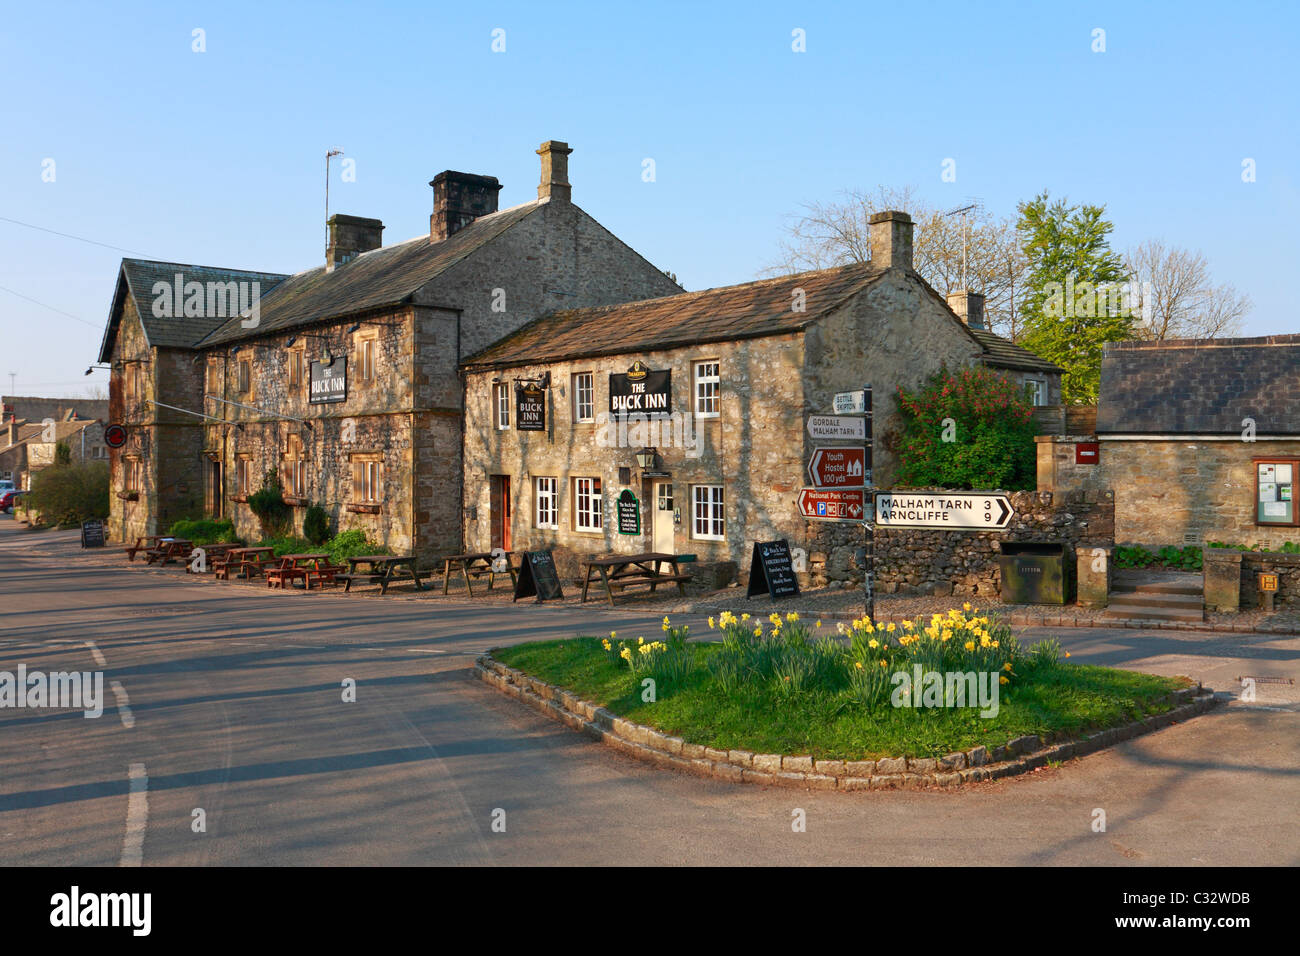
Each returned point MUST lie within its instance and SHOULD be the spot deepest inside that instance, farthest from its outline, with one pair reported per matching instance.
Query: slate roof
(136, 279)
(380, 278)
(727, 313)
(30, 433)
(1003, 353)
(1201, 386)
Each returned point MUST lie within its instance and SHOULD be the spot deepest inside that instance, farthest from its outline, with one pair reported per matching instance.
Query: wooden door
(500, 505)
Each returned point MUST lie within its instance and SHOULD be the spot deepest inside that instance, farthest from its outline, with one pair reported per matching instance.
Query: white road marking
(137, 815)
(97, 654)
(123, 704)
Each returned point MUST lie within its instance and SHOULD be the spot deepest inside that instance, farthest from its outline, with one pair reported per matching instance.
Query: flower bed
(782, 686)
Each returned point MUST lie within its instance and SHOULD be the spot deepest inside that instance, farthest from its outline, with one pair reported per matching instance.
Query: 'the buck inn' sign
(640, 391)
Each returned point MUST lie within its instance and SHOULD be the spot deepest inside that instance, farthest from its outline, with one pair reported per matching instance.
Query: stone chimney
(349, 237)
(969, 307)
(555, 171)
(891, 240)
(459, 199)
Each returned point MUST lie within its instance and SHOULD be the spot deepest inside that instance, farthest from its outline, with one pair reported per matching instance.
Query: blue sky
(218, 157)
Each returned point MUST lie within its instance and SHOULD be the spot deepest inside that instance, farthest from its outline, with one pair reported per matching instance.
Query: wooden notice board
(771, 570)
(538, 578)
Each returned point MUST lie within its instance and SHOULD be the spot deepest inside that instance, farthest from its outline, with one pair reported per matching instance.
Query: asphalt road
(230, 701)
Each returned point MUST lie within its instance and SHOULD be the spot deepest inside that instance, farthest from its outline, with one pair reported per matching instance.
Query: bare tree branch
(1180, 300)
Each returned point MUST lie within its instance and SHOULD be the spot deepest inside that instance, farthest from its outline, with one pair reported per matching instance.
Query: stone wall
(923, 561)
(1058, 471)
(1189, 492)
(1285, 566)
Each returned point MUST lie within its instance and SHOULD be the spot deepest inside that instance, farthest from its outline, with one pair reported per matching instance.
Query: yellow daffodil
(873, 643)
(858, 664)
(890, 627)
(1004, 680)
(882, 663)
(970, 645)
(966, 606)
(744, 617)
(1007, 666)
(711, 625)
(819, 623)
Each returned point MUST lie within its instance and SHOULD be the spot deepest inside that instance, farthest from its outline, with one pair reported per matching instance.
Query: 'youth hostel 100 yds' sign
(640, 391)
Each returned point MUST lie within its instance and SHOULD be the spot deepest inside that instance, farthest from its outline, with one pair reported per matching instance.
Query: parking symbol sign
(821, 508)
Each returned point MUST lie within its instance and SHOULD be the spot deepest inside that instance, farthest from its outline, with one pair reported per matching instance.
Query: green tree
(1074, 301)
(972, 428)
(71, 494)
(62, 454)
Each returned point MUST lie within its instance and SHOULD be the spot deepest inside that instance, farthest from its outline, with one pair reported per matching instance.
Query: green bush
(268, 504)
(972, 428)
(1287, 547)
(66, 495)
(351, 544)
(1190, 558)
(286, 544)
(204, 530)
(316, 525)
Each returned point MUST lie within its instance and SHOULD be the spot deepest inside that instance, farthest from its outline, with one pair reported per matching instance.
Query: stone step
(1155, 612)
(1157, 599)
(1156, 587)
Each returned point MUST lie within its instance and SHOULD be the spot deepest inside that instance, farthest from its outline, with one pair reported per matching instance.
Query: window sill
(129, 495)
(293, 501)
(241, 498)
(363, 509)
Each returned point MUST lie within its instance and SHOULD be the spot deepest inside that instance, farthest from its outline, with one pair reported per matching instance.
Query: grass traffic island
(872, 706)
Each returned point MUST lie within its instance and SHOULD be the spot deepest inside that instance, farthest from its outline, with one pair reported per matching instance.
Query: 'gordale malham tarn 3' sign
(329, 383)
(639, 391)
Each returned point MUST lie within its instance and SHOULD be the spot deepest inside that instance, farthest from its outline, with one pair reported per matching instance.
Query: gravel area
(829, 604)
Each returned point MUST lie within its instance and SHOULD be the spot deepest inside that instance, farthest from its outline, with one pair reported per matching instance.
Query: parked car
(9, 498)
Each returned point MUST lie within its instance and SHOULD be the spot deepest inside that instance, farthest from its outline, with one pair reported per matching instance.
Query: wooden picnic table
(212, 552)
(626, 570)
(247, 561)
(146, 542)
(382, 569)
(168, 548)
(291, 567)
(475, 565)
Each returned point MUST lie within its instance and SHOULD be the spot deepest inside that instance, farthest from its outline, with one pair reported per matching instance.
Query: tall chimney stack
(459, 199)
(349, 237)
(891, 240)
(555, 171)
(969, 307)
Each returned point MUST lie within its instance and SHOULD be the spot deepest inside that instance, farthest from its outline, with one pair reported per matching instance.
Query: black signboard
(771, 570)
(628, 510)
(92, 534)
(530, 408)
(537, 576)
(639, 391)
(329, 382)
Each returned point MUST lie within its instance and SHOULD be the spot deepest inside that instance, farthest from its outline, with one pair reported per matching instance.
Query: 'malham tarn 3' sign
(639, 391)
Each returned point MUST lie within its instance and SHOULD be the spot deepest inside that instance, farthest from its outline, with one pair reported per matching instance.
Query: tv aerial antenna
(963, 211)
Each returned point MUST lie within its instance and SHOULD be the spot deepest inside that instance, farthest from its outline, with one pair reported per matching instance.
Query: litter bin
(1036, 572)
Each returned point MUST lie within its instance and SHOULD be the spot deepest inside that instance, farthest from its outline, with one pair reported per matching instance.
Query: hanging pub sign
(640, 391)
(771, 570)
(530, 407)
(329, 381)
(628, 510)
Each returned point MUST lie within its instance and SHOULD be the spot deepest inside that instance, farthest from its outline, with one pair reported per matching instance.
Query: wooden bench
(143, 543)
(619, 572)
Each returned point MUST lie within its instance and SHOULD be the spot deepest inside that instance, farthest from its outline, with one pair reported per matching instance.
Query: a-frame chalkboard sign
(771, 570)
(538, 577)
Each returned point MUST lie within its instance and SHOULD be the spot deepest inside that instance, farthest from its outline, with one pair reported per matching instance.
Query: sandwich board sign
(945, 509)
(837, 428)
(538, 577)
(771, 570)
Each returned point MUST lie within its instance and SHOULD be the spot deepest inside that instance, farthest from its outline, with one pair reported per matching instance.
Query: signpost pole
(868, 523)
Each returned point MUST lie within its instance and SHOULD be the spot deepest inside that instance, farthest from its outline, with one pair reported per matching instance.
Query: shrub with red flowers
(972, 428)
